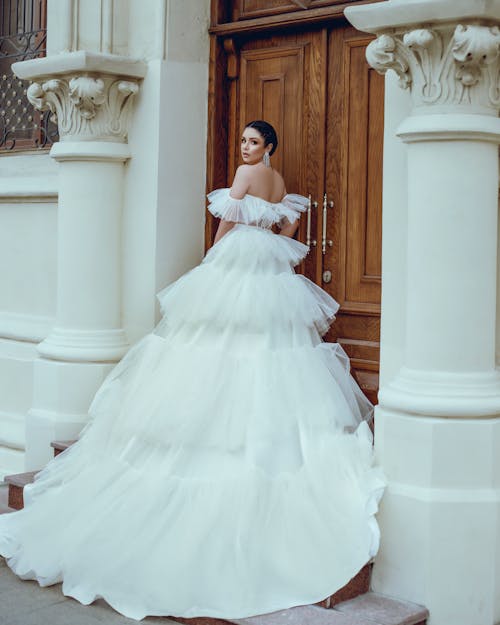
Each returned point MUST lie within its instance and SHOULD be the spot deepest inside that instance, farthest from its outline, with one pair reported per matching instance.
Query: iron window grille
(23, 35)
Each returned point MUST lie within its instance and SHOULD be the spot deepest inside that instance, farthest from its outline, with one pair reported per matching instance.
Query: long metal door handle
(325, 241)
(311, 205)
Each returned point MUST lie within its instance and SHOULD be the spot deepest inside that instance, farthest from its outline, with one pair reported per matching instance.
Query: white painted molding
(21, 327)
(395, 14)
(73, 345)
(25, 191)
(80, 61)
(90, 151)
(58, 417)
(471, 496)
(28, 177)
(450, 127)
(443, 394)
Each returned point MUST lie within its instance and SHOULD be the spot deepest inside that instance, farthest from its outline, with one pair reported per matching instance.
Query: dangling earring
(266, 159)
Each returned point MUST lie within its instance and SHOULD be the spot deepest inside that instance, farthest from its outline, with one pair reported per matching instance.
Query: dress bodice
(255, 211)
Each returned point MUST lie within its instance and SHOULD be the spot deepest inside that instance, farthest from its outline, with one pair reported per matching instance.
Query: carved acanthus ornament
(446, 65)
(87, 107)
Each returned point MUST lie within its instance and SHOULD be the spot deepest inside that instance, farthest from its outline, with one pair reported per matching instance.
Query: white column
(90, 94)
(89, 252)
(438, 425)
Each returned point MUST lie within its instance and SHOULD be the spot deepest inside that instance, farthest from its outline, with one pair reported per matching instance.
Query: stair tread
(367, 609)
(384, 609)
(21, 479)
(62, 444)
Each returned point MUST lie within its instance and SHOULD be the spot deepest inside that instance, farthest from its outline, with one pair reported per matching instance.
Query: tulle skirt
(227, 467)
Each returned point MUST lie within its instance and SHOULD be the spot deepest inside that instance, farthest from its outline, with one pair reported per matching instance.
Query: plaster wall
(162, 213)
(28, 238)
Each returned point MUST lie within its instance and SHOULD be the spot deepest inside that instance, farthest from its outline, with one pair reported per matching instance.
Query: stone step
(367, 609)
(358, 585)
(378, 609)
(60, 446)
(16, 483)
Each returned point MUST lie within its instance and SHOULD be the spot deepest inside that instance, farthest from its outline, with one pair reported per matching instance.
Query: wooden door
(326, 104)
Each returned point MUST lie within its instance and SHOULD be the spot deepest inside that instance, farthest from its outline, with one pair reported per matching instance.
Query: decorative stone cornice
(86, 107)
(89, 94)
(449, 64)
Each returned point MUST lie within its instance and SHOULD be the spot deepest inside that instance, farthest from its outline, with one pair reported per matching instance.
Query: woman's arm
(224, 228)
(239, 188)
(241, 182)
(289, 229)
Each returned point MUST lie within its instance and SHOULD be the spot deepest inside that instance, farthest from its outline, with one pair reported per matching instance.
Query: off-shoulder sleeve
(293, 204)
(222, 205)
(254, 210)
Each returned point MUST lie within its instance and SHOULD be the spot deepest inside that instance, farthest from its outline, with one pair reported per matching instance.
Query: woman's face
(252, 146)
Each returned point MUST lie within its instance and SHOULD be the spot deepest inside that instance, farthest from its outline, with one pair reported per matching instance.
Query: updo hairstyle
(267, 131)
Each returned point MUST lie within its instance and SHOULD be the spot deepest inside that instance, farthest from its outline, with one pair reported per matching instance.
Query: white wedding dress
(227, 468)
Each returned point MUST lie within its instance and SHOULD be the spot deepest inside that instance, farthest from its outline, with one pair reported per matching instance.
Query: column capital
(448, 57)
(89, 94)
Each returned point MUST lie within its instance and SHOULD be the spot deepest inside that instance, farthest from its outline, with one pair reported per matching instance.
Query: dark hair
(267, 131)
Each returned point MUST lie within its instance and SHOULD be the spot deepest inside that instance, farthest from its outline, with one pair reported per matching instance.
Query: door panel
(363, 233)
(354, 184)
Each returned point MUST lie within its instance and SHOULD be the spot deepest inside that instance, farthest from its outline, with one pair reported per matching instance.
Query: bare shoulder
(278, 177)
(241, 182)
(243, 171)
(279, 182)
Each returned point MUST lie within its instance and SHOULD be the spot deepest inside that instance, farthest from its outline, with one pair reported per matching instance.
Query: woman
(227, 469)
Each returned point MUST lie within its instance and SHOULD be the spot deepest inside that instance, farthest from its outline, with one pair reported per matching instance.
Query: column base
(440, 516)
(84, 345)
(443, 394)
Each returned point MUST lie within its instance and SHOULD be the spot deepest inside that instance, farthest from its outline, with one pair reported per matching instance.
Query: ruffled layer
(251, 303)
(247, 282)
(264, 403)
(252, 210)
(256, 250)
